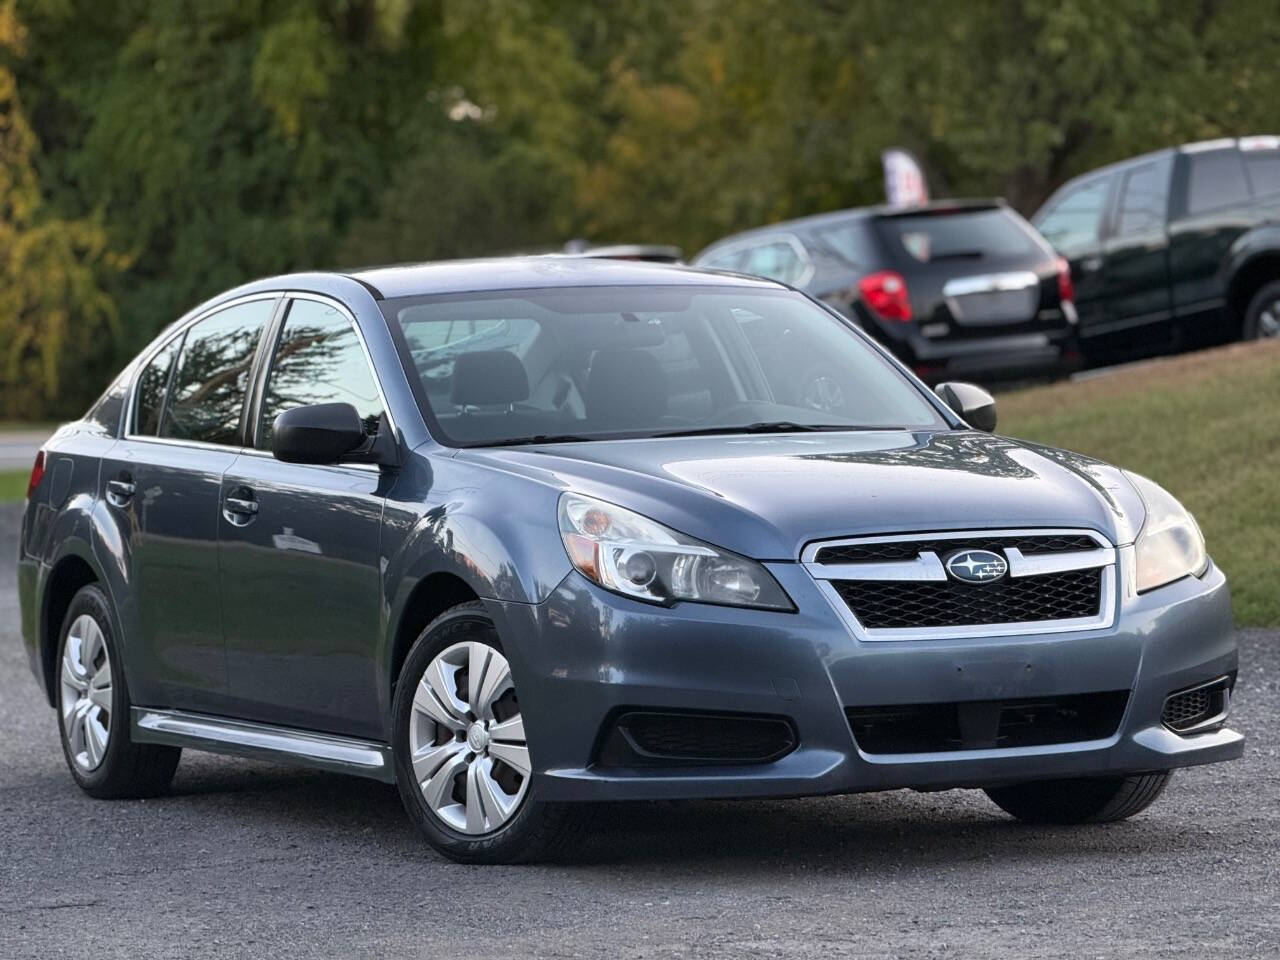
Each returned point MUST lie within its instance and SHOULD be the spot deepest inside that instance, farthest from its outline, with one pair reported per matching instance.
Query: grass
(13, 484)
(1202, 425)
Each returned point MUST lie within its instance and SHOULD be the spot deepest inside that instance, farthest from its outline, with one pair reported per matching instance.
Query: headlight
(632, 555)
(1170, 545)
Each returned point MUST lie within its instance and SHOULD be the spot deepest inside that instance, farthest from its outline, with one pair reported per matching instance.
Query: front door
(1138, 319)
(1072, 223)
(161, 483)
(298, 554)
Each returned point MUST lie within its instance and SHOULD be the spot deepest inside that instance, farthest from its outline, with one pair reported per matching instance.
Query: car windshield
(588, 363)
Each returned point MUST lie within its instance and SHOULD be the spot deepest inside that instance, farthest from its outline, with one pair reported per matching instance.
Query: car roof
(850, 213)
(519, 273)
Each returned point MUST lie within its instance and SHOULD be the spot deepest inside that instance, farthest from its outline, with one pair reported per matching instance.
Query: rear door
(161, 483)
(298, 559)
(1138, 317)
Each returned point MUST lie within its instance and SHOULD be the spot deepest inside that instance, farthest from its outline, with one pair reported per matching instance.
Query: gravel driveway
(248, 859)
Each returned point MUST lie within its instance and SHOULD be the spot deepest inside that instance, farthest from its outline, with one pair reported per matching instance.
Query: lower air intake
(649, 738)
(1198, 708)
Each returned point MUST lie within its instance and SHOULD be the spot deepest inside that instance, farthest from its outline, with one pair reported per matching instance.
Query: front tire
(1084, 800)
(93, 709)
(462, 759)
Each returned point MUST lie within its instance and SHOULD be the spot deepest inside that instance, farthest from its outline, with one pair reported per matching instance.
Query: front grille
(910, 549)
(646, 738)
(884, 604)
(1197, 707)
(987, 724)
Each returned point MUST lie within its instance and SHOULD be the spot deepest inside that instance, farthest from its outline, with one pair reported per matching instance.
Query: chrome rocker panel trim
(928, 566)
(263, 741)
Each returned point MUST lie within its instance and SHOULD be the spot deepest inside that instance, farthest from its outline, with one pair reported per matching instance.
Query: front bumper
(585, 654)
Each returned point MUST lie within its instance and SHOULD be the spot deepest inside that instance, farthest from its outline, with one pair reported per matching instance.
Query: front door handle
(120, 492)
(240, 509)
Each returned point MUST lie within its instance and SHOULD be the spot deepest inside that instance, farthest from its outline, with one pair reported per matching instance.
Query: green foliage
(161, 152)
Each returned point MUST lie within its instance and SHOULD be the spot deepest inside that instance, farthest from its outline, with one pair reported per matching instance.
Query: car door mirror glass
(974, 405)
(319, 433)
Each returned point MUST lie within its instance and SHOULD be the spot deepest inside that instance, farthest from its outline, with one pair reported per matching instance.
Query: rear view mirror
(320, 433)
(973, 404)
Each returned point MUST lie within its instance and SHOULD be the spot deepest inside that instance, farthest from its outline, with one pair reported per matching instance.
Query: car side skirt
(322, 751)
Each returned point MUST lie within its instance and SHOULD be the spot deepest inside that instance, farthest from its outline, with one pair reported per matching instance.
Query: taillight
(885, 292)
(1066, 289)
(37, 474)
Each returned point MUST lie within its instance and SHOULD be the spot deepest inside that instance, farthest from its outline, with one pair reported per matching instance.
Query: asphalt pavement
(247, 859)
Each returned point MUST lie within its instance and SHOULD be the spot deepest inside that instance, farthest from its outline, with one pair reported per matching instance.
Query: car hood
(767, 496)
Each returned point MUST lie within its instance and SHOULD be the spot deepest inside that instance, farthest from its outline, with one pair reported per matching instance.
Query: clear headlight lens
(1170, 545)
(635, 556)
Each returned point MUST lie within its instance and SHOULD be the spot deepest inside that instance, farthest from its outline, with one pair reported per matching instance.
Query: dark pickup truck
(1174, 249)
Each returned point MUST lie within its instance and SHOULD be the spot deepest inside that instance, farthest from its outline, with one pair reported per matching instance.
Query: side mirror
(320, 433)
(975, 406)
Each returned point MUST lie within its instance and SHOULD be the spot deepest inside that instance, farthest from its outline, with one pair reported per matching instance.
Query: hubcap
(466, 739)
(86, 693)
(1269, 320)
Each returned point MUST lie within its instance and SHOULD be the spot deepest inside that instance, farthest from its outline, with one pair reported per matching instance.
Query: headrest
(626, 387)
(487, 377)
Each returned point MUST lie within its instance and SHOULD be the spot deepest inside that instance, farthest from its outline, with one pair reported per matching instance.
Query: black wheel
(462, 759)
(1262, 318)
(1087, 800)
(93, 709)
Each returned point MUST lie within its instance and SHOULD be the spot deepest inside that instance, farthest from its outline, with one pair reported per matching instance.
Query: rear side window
(962, 235)
(208, 389)
(1144, 199)
(318, 360)
(776, 260)
(1072, 222)
(153, 382)
(850, 241)
(1216, 181)
(1263, 169)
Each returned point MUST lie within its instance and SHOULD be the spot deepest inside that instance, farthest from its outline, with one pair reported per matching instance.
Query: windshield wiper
(539, 438)
(764, 426)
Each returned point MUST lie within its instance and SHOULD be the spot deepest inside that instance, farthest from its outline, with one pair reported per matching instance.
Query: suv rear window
(961, 235)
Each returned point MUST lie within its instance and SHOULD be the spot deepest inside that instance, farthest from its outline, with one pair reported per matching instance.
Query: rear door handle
(120, 492)
(1091, 265)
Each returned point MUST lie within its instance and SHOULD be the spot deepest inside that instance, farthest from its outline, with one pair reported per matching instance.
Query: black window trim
(181, 332)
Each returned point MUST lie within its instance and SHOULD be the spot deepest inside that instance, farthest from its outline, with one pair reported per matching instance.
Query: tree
(57, 324)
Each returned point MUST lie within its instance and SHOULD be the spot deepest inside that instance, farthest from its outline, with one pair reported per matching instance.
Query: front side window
(318, 359)
(208, 390)
(611, 362)
(730, 260)
(153, 383)
(1073, 222)
(1144, 199)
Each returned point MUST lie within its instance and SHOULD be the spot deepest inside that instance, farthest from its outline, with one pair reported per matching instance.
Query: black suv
(1174, 249)
(955, 288)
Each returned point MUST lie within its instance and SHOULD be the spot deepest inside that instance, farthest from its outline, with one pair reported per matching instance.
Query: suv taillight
(37, 474)
(885, 292)
(1066, 289)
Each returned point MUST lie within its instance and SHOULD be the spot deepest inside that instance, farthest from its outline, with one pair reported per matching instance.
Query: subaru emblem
(977, 566)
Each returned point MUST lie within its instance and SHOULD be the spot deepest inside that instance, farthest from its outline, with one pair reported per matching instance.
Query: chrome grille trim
(928, 567)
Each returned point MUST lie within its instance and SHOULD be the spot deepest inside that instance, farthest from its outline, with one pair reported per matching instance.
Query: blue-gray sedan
(522, 535)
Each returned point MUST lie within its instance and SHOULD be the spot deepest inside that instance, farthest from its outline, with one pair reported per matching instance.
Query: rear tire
(1086, 800)
(1262, 317)
(460, 747)
(93, 709)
